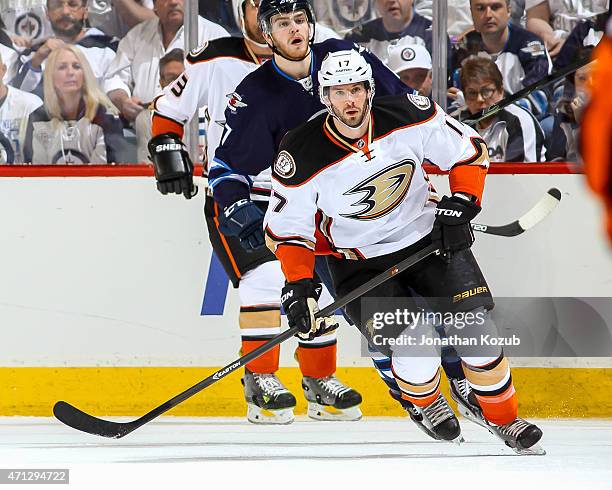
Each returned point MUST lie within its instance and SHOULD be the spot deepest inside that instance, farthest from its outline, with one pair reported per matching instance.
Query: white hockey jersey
(14, 113)
(211, 76)
(370, 197)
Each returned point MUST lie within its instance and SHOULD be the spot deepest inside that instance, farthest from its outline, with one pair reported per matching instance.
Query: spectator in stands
(343, 15)
(513, 134)
(8, 52)
(587, 33)
(553, 20)
(133, 77)
(15, 108)
(458, 19)
(171, 65)
(25, 21)
(413, 65)
(117, 17)
(68, 18)
(78, 123)
(569, 111)
(519, 54)
(398, 25)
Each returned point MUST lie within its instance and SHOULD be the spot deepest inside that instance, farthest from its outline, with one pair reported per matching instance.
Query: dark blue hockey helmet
(269, 8)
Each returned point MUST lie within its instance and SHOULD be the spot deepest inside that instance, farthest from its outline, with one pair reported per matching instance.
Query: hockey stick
(531, 218)
(77, 419)
(524, 92)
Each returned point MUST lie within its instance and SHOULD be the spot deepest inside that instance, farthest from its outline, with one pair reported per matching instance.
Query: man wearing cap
(413, 65)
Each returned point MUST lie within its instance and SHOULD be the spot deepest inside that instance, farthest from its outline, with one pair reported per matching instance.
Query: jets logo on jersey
(384, 191)
(70, 157)
(420, 101)
(235, 102)
(534, 48)
(28, 25)
(285, 165)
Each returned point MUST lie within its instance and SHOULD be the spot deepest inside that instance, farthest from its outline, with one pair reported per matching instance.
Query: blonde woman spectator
(77, 124)
(68, 20)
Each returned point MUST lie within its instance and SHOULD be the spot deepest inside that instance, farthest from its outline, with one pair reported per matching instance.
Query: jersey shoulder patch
(304, 151)
(230, 47)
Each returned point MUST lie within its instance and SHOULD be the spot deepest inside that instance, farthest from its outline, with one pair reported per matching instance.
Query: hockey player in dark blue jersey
(274, 99)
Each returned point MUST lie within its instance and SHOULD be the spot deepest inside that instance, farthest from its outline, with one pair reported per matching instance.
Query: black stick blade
(79, 420)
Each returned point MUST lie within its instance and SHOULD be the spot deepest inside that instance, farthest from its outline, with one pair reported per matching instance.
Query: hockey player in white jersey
(211, 76)
(359, 166)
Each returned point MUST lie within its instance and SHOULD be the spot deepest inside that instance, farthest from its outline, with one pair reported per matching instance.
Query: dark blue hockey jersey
(265, 105)
(523, 61)
(378, 40)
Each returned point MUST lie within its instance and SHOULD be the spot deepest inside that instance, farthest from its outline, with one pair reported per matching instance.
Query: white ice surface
(368, 453)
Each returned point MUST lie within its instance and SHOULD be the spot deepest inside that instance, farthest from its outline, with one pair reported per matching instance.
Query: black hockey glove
(243, 219)
(173, 167)
(452, 225)
(299, 300)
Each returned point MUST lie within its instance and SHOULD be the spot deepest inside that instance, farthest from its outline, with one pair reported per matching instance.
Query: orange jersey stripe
(469, 179)
(225, 244)
(297, 262)
(161, 125)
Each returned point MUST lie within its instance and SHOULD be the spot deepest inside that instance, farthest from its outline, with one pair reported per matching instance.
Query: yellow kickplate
(133, 391)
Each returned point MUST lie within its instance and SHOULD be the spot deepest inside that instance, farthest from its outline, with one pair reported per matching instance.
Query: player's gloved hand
(243, 219)
(172, 165)
(299, 300)
(452, 225)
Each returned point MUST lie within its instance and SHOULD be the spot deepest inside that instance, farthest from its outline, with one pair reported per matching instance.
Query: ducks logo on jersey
(384, 191)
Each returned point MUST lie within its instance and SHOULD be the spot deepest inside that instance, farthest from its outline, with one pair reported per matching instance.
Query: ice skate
(268, 401)
(519, 435)
(466, 401)
(330, 399)
(415, 415)
(441, 422)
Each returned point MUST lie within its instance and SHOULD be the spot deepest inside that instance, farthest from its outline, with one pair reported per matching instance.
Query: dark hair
(176, 54)
(83, 3)
(478, 69)
(507, 2)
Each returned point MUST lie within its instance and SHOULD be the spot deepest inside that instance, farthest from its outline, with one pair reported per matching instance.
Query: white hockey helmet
(238, 8)
(342, 68)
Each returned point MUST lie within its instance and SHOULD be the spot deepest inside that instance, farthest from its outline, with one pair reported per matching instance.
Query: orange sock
(494, 390)
(317, 361)
(265, 364)
(258, 324)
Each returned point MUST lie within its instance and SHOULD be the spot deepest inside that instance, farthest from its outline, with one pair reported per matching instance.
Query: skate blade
(458, 440)
(471, 416)
(261, 416)
(329, 413)
(535, 450)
